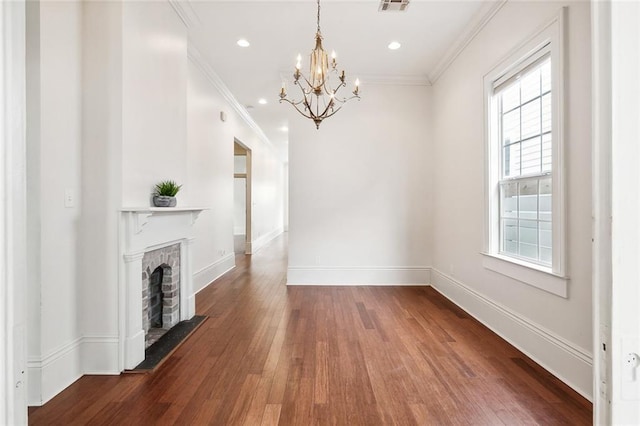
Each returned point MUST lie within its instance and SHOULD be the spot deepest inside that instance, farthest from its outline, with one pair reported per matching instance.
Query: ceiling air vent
(393, 5)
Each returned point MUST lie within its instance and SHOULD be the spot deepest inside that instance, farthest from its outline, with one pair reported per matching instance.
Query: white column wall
(54, 151)
(154, 104)
(625, 138)
(555, 331)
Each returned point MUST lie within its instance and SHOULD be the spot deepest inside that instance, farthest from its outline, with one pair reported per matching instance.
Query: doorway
(241, 198)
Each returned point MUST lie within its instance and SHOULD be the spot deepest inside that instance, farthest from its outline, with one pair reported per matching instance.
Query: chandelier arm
(295, 105)
(334, 111)
(294, 102)
(326, 109)
(345, 100)
(328, 90)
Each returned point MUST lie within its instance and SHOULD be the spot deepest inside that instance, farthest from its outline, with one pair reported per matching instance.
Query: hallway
(272, 354)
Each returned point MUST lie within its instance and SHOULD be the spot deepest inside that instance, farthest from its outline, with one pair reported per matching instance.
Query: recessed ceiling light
(243, 43)
(394, 45)
(262, 101)
(284, 129)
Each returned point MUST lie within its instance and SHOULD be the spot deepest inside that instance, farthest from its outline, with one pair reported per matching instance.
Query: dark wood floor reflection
(270, 355)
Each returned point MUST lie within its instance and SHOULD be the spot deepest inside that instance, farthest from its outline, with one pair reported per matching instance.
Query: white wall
(210, 175)
(154, 87)
(553, 330)
(54, 155)
(360, 191)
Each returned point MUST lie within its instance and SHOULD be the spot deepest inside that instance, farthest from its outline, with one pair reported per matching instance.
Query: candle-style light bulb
(357, 88)
(298, 62)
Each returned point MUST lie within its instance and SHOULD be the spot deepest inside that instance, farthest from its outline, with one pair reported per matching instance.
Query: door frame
(13, 401)
(248, 201)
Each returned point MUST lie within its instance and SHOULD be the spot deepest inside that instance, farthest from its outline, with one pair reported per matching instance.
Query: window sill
(530, 274)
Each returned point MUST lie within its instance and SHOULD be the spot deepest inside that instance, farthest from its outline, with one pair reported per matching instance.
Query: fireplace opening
(155, 298)
(160, 291)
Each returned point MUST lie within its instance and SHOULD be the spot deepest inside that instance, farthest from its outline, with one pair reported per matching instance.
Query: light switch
(69, 198)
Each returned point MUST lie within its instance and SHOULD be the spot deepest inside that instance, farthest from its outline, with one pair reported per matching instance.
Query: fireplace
(155, 249)
(160, 291)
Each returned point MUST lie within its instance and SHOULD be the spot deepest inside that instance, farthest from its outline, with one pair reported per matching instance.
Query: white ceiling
(429, 32)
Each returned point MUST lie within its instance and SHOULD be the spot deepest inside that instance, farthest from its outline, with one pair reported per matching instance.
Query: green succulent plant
(167, 188)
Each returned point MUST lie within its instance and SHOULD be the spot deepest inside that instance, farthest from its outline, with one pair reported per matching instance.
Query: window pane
(545, 74)
(528, 243)
(546, 113)
(509, 200)
(511, 160)
(530, 85)
(525, 217)
(531, 119)
(510, 236)
(511, 97)
(528, 199)
(545, 242)
(511, 127)
(545, 199)
(546, 153)
(531, 161)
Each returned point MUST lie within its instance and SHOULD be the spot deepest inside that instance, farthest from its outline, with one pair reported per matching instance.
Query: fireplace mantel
(143, 229)
(141, 215)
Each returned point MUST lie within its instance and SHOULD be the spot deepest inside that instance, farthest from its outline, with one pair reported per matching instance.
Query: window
(524, 126)
(524, 184)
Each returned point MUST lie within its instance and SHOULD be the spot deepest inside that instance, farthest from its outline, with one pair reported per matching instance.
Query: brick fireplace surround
(167, 258)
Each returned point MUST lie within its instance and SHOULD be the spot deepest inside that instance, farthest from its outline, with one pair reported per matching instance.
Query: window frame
(552, 279)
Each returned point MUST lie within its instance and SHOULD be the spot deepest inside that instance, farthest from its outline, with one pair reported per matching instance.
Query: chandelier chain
(318, 16)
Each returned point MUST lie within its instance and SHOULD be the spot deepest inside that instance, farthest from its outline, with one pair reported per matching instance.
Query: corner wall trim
(359, 275)
(51, 374)
(209, 274)
(565, 360)
(478, 22)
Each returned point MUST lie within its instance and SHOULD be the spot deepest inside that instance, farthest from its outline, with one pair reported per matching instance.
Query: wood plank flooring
(271, 354)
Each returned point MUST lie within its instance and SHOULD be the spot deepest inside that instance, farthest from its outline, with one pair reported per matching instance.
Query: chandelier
(320, 98)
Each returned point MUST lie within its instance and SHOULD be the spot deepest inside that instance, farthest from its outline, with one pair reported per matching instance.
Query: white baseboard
(258, 243)
(51, 374)
(209, 274)
(366, 275)
(563, 359)
(100, 355)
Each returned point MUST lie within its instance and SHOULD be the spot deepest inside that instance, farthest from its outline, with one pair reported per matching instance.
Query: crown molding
(478, 22)
(396, 80)
(201, 63)
(185, 12)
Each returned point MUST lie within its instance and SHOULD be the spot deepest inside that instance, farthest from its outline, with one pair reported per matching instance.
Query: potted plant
(165, 193)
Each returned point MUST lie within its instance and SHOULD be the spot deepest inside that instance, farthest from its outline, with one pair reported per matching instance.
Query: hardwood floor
(271, 354)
